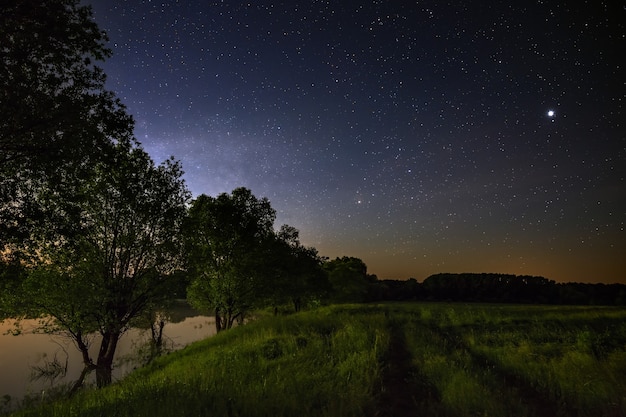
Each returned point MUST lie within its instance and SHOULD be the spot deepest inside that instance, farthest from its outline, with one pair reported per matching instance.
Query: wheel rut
(403, 392)
(400, 394)
(536, 401)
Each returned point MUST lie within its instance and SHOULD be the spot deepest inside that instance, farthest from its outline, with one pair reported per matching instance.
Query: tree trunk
(104, 364)
(229, 319)
(297, 304)
(84, 349)
(81, 379)
(88, 365)
(157, 337)
(104, 375)
(218, 320)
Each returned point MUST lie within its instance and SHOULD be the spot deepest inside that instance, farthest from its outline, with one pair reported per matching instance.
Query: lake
(18, 354)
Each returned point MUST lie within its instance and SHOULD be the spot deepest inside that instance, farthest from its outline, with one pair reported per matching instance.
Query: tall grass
(461, 387)
(465, 360)
(503, 360)
(323, 363)
(575, 356)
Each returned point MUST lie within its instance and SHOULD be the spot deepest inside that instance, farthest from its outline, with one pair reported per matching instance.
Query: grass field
(436, 359)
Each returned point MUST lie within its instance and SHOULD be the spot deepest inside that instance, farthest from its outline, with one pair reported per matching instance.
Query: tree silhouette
(227, 241)
(349, 279)
(120, 260)
(299, 276)
(58, 120)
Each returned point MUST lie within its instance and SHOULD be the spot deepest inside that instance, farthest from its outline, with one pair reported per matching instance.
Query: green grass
(322, 363)
(523, 360)
(465, 360)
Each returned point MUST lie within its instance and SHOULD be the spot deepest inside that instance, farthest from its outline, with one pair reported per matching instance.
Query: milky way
(421, 137)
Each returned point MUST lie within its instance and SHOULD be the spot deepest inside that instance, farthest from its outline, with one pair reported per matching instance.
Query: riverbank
(384, 360)
(24, 355)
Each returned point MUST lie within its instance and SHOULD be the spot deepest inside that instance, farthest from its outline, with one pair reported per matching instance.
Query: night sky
(421, 137)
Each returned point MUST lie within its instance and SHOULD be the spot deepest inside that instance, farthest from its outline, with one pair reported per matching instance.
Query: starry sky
(419, 136)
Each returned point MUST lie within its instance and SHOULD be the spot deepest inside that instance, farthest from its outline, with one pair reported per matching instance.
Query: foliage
(89, 226)
(119, 262)
(57, 118)
(349, 279)
(11, 273)
(237, 262)
(227, 240)
(299, 276)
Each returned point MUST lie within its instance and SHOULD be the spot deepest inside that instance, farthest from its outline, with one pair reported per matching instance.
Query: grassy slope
(391, 359)
(317, 363)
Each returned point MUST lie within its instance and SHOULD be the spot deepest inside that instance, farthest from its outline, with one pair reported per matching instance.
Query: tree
(57, 120)
(298, 270)
(89, 226)
(349, 279)
(227, 243)
(119, 262)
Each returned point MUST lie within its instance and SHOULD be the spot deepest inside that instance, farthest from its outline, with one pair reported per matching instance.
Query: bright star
(551, 113)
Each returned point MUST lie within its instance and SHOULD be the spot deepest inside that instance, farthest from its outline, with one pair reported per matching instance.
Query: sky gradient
(421, 137)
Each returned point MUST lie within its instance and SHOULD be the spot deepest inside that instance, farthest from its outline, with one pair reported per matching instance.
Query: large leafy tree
(58, 120)
(300, 276)
(349, 279)
(227, 242)
(119, 263)
(89, 226)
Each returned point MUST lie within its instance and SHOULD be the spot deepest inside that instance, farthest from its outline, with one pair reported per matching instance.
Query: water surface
(19, 354)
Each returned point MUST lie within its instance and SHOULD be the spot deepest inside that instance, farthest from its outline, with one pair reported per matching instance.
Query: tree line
(497, 288)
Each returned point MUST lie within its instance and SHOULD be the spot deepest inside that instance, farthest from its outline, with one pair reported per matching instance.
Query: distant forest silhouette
(497, 288)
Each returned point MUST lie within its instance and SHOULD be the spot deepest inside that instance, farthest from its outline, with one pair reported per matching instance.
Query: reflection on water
(19, 354)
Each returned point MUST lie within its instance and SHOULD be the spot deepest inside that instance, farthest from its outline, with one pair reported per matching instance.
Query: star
(551, 113)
